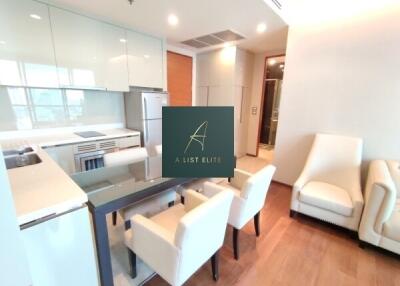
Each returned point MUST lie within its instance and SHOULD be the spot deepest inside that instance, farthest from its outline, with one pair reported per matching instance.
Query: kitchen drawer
(131, 141)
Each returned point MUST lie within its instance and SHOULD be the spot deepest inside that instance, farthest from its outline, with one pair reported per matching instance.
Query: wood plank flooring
(299, 251)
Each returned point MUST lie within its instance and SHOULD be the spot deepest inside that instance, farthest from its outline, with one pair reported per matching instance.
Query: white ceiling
(196, 18)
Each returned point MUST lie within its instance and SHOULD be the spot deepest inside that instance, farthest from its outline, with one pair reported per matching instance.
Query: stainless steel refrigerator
(143, 112)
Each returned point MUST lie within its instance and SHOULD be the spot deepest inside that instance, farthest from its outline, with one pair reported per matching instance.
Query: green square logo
(197, 142)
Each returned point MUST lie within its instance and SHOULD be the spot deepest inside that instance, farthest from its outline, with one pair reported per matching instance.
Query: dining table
(110, 189)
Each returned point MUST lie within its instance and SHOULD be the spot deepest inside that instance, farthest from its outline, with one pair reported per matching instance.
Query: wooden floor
(299, 251)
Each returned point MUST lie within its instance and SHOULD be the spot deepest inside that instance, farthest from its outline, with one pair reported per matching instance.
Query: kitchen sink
(31, 159)
(17, 151)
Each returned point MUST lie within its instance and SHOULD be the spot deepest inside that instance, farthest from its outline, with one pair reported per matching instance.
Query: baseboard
(282, 184)
(251, 155)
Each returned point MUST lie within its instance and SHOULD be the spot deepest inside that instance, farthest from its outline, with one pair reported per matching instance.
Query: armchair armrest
(193, 199)
(239, 178)
(380, 197)
(150, 241)
(210, 189)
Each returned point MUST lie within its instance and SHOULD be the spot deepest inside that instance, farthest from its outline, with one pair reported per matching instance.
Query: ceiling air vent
(277, 3)
(195, 44)
(213, 39)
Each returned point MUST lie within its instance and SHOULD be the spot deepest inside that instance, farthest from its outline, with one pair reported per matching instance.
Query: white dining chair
(148, 206)
(250, 191)
(178, 241)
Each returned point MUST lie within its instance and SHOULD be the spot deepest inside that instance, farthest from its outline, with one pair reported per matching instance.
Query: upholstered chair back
(335, 160)
(254, 191)
(201, 232)
(127, 156)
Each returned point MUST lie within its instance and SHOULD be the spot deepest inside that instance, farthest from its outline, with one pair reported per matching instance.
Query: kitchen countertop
(66, 138)
(44, 189)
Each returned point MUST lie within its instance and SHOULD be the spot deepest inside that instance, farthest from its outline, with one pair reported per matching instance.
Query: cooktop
(89, 134)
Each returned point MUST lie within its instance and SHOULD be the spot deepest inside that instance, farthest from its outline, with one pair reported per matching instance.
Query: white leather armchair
(173, 242)
(149, 206)
(250, 191)
(329, 185)
(380, 222)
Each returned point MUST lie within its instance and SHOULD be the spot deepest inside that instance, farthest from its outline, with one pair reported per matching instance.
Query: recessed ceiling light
(146, 56)
(271, 62)
(2, 42)
(122, 40)
(173, 20)
(261, 28)
(35, 16)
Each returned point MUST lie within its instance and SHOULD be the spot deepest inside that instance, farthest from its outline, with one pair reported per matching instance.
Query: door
(266, 123)
(13, 260)
(179, 79)
(202, 96)
(152, 105)
(152, 132)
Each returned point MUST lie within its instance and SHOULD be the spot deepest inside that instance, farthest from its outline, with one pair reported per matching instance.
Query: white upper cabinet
(79, 50)
(145, 60)
(90, 54)
(26, 50)
(115, 64)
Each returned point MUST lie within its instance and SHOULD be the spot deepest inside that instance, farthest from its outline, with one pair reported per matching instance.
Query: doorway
(270, 100)
(179, 79)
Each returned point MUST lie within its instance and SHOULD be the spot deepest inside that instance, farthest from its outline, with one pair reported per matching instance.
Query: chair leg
(362, 244)
(236, 243)
(171, 204)
(132, 263)
(182, 200)
(214, 265)
(114, 218)
(127, 224)
(257, 223)
(292, 213)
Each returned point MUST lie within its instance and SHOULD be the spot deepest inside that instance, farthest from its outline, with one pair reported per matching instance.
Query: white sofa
(177, 242)
(329, 187)
(380, 222)
(250, 191)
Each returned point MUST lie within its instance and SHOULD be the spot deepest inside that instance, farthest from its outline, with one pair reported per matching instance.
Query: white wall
(256, 96)
(342, 76)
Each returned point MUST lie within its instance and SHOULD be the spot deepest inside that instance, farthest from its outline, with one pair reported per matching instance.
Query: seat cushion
(327, 196)
(169, 218)
(391, 228)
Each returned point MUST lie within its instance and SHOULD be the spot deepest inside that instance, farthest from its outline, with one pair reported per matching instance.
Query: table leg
(103, 249)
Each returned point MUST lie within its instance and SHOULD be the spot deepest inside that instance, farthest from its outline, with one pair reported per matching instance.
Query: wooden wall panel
(179, 79)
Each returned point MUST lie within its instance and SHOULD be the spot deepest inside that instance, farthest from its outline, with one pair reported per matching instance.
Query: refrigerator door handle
(145, 107)
(146, 133)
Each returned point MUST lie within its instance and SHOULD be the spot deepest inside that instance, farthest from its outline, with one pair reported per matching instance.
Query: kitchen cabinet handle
(147, 131)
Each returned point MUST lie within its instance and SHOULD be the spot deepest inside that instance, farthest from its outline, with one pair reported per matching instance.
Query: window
(38, 108)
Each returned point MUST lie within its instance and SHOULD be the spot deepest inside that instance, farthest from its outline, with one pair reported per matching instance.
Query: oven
(89, 161)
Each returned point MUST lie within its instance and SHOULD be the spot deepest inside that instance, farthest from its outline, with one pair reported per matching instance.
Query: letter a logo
(199, 136)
